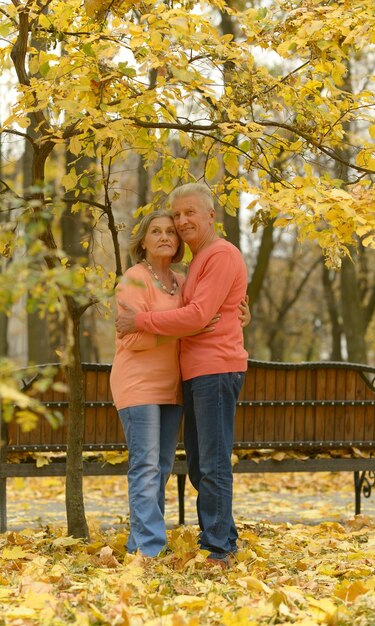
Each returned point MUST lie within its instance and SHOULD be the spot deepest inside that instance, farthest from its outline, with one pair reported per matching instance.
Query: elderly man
(213, 364)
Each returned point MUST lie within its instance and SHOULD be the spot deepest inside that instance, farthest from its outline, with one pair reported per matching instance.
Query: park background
(106, 107)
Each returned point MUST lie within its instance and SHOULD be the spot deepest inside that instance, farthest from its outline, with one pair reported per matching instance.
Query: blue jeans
(151, 432)
(209, 409)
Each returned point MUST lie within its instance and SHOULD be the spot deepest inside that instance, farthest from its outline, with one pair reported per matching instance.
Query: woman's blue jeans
(151, 432)
(209, 409)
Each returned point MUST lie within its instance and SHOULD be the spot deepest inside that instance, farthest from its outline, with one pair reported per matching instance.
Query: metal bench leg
(363, 484)
(3, 505)
(181, 480)
(358, 480)
(3, 479)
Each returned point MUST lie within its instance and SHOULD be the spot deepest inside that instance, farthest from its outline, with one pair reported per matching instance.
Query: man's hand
(125, 321)
(245, 315)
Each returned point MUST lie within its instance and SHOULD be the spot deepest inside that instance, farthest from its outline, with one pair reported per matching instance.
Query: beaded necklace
(172, 291)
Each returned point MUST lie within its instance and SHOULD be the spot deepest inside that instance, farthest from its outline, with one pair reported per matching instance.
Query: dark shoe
(224, 563)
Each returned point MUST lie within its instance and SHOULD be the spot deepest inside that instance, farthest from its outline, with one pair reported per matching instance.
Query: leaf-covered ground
(304, 559)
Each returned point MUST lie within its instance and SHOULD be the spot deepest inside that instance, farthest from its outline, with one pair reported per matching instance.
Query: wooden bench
(305, 417)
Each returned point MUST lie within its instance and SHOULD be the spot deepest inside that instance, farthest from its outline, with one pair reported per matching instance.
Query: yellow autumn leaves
(259, 95)
(283, 574)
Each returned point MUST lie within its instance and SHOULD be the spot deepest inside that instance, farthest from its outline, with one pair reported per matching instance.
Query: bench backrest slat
(310, 382)
(281, 427)
(270, 392)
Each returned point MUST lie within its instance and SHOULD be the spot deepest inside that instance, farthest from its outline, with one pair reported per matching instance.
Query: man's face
(193, 220)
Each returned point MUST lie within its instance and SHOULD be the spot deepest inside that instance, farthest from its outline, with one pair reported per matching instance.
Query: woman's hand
(245, 315)
(209, 328)
(211, 324)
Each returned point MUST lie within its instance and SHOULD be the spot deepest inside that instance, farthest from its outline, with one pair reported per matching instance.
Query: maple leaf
(106, 558)
(14, 553)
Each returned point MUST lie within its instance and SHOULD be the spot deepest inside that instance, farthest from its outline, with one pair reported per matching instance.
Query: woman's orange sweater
(144, 372)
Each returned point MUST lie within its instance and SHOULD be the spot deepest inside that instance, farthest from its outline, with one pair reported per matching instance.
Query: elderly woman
(145, 378)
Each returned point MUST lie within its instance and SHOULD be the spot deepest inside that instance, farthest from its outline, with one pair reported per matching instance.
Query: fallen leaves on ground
(316, 567)
(283, 574)
(265, 454)
(254, 454)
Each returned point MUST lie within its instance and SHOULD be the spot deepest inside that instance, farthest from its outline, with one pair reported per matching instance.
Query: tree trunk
(262, 263)
(4, 216)
(3, 334)
(38, 344)
(74, 230)
(42, 148)
(232, 228)
(143, 182)
(351, 301)
(352, 313)
(4, 319)
(75, 509)
(336, 326)
(3, 263)
(231, 223)
(276, 345)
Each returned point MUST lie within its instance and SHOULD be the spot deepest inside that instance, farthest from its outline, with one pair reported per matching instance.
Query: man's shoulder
(231, 256)
(227, 245)
(222, 245)
(218, 253)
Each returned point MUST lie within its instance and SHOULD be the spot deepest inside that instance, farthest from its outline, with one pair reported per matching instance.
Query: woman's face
(161, 240)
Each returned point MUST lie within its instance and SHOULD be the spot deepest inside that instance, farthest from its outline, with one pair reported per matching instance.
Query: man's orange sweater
(216, 283)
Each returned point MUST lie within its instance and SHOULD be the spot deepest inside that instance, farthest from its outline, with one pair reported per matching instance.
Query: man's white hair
(193, 189)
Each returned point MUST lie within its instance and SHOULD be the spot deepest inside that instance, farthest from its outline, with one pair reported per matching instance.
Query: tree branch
(207, 128)
(19, 50)
(327, 151)
(7, 189)
(12, 131)
(11, 19)
(288, 304)
(98, 205)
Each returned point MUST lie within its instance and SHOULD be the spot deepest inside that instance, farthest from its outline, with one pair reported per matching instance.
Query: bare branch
(9, 17)
(5, 189)
(98, 205)
(287, 305)
(12, 131)
(284, 79)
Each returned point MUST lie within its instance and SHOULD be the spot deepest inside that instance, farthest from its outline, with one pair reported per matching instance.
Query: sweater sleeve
(135, 293)
(213, 286)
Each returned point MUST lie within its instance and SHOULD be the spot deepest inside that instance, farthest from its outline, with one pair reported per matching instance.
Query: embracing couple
(171, 328)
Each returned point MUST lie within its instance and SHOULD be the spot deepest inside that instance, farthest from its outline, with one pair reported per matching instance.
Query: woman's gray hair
(193, 189)
(135, 249)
